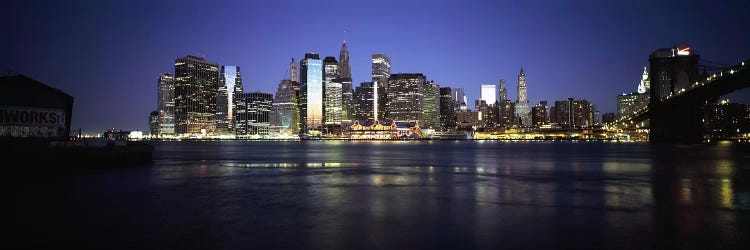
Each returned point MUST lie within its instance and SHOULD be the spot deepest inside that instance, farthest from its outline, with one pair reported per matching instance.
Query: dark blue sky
(108, 54)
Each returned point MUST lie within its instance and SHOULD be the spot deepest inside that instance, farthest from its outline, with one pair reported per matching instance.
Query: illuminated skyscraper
(347, 100)
(405, 97)
(284, 113)
(364, 99)
(522, 103)
(381, 72)
(196, 89)
(488, 94)
(332, 92)
(294, 71)
(460, 98)
(229, 82)
(253, 113)
(430, 106)
(311, 98)
(447, 110)
(166, 104)
(344, 68)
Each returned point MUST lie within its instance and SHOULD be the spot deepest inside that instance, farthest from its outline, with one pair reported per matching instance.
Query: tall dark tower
(196, 88)
(344, 68)
(673, 69)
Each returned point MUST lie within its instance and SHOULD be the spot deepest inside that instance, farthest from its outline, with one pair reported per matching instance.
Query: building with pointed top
(294, 71)
(344, 67)
(522, 103)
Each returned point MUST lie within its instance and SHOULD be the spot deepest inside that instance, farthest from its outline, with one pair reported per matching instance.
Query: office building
(502, 93)
(405, 97)
(196, 82)
(284, 111)
(539, 114)
(165, 104)
(505, 113)
(430, 106)
(381, 72)
(294, 71)
(364, 102)
(488, 94)
(311, 100)
(460, 99)
(522, 103)
(344, 67)
(229, 81)
(447, 109)
(347, 100)
(253, 114)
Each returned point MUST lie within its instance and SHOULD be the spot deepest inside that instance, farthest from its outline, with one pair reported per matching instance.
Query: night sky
(109, 54)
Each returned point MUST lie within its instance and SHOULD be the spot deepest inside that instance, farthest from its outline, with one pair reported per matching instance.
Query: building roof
(22, 81)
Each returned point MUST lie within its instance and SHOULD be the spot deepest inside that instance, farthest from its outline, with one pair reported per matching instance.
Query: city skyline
(557, 65)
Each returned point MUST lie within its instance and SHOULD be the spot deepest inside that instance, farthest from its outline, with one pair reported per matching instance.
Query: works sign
(20, 116)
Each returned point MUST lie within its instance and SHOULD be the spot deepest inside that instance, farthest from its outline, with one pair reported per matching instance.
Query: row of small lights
(696, 84)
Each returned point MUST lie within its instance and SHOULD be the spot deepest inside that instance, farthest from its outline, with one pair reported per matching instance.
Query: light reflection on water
(429, 194)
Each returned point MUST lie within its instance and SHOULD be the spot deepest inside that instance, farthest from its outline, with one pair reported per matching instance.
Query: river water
(397, 194)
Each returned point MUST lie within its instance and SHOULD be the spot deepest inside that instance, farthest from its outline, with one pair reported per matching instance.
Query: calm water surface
(386, 195)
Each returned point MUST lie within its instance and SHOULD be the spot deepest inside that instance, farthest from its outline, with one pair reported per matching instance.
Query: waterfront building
(573, 113)
(522, 103)
(311, 98)
(381, 72)
(21, 96)
(487, 115)
(505, 113)
(284, 112)
(332, 104)
(165, 104)
(153, 123)
(229, 81)
(253, 114)
(347, 100)
(430, 106)
(608, 118)
(468, 119)
(405, 97)
(447, 109)
(364, 102)
(539, 116)
(196, 82)
(630, 103)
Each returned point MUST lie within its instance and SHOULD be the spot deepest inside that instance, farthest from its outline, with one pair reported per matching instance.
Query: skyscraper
(229, 82)
(284, 112)
(312, 94)
(629, 103)
(196, 88)
(294, 71)
(347, 100)
(430, 106)
(502, 93)
(364, 99)
(381, 72)
(344, 68)
(488, 94)
(166, 104)
(540, 114)
(405, 97)
(447, 110)
(460, 98)
(332, 92)
(522, 103)
(253, 113)
(505, 113)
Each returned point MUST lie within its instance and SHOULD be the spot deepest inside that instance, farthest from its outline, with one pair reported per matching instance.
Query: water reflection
(417, 194)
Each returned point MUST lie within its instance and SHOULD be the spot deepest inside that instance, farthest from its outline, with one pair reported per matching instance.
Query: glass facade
(166, 104)
(488, 94)
(312, 94)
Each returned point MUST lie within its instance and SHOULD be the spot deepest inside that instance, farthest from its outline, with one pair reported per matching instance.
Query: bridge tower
(672, 70)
